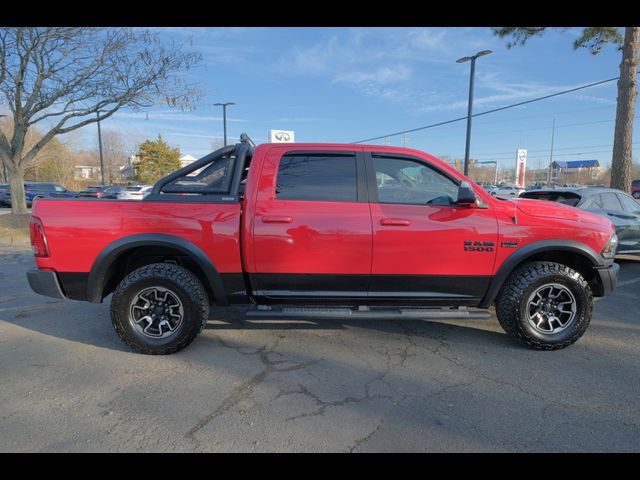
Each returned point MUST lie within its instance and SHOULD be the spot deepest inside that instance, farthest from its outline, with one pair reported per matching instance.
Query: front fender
(528, 251)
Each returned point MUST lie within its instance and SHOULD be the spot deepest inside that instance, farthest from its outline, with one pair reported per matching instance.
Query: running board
(267, 312)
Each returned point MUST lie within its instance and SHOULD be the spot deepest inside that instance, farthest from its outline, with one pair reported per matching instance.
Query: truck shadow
(474, 332)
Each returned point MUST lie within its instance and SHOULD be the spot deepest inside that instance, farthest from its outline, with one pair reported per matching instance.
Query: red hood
(546, 209)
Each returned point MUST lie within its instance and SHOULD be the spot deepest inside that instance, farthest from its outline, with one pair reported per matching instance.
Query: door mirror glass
(466, 195)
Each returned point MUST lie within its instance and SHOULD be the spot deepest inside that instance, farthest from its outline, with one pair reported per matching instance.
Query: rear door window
(321, 177)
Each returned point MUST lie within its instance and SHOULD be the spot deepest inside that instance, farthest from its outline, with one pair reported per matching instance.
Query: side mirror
(466, 195)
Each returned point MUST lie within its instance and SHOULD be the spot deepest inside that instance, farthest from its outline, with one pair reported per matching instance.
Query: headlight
(609, 250)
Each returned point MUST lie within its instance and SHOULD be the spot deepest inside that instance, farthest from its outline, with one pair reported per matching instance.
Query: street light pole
(470, 106)
(100, 148)
(224, 117)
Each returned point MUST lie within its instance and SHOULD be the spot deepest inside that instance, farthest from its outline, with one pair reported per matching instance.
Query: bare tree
(114, 149)
(33, 136)
(594, 38)
(67, 77)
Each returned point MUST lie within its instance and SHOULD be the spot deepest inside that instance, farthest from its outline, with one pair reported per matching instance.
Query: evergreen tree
(157, 159)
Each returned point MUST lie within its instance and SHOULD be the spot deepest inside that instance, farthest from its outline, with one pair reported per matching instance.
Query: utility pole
(100, 148)
(495, 174)
(224, 117)
(405, 140)
(470, 107)
(553, 133)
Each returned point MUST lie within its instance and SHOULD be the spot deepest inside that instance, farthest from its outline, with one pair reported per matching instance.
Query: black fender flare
(103, 262)
(517, 257)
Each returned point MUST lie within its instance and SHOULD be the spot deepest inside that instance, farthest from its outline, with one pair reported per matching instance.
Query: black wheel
(636, 195)
(159, 309)
(545, 305)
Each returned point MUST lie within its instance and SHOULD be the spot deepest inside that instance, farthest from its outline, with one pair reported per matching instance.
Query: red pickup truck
(324, 230)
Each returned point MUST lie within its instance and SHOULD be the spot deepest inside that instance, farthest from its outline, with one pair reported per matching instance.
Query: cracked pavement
(67, 383)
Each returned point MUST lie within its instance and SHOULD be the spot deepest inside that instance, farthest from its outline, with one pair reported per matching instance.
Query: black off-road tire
(182, 283)
(511, 304)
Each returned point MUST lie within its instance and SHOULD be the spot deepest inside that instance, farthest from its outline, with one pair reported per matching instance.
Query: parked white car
(507, 191)
(135, 192)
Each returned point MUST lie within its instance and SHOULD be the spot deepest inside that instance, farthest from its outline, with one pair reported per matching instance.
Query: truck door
(312, 226)
(426, 248)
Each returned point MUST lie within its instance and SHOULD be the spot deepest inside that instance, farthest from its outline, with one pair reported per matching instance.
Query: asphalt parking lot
(67, 383)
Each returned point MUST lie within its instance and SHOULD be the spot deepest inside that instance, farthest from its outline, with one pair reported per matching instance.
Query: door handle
(397, 222)
(276, 219)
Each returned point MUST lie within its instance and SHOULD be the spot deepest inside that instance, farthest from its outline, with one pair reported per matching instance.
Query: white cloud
(390, 63)
(509, 92)
(382, 75)
(427, 39)
(295, 120)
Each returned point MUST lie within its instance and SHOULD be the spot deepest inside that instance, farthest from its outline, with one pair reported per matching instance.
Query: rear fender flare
(102, 263)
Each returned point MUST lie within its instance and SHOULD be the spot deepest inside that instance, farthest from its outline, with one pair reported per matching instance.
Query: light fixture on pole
(224, 117)
(470, 107)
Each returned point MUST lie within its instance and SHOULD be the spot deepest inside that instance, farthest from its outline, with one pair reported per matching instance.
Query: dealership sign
(282, 136)
(521, 166)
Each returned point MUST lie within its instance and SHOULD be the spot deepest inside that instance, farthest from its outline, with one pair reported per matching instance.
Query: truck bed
(78, 230)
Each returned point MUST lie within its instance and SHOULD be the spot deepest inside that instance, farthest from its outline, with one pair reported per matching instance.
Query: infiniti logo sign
(282, 136)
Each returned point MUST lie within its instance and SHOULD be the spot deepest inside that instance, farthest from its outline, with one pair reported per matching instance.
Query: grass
(14, 229)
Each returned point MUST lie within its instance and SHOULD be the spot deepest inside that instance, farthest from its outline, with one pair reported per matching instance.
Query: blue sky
(346, 84)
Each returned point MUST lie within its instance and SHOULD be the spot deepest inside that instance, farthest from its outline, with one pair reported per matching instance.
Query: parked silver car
(135, 192)
(507, 191)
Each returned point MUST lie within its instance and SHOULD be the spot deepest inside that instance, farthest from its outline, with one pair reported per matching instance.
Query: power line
(544, 150)
(488, 111)
(576, 153)
(564, 125)
(528, 117)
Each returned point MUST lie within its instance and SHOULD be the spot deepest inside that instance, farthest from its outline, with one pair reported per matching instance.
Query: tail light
(38, 238)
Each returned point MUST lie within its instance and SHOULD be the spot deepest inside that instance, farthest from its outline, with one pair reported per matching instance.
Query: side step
(268, 312)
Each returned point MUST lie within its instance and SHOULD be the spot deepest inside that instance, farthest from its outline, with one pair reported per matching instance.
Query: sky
(347, 84)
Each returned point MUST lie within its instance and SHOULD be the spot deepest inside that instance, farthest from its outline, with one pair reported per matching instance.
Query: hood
(546, 209)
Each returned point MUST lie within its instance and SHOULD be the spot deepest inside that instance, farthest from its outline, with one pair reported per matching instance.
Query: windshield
(566, 198)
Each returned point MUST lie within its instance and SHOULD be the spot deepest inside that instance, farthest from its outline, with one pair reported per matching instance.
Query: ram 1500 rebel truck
(324, 230)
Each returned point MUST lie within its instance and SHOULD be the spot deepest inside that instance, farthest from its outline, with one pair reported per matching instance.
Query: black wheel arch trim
(101, 265)
(517, 257)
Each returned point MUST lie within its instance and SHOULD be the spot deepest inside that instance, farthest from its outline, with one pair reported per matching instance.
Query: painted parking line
(33, 308)
(628, 282)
